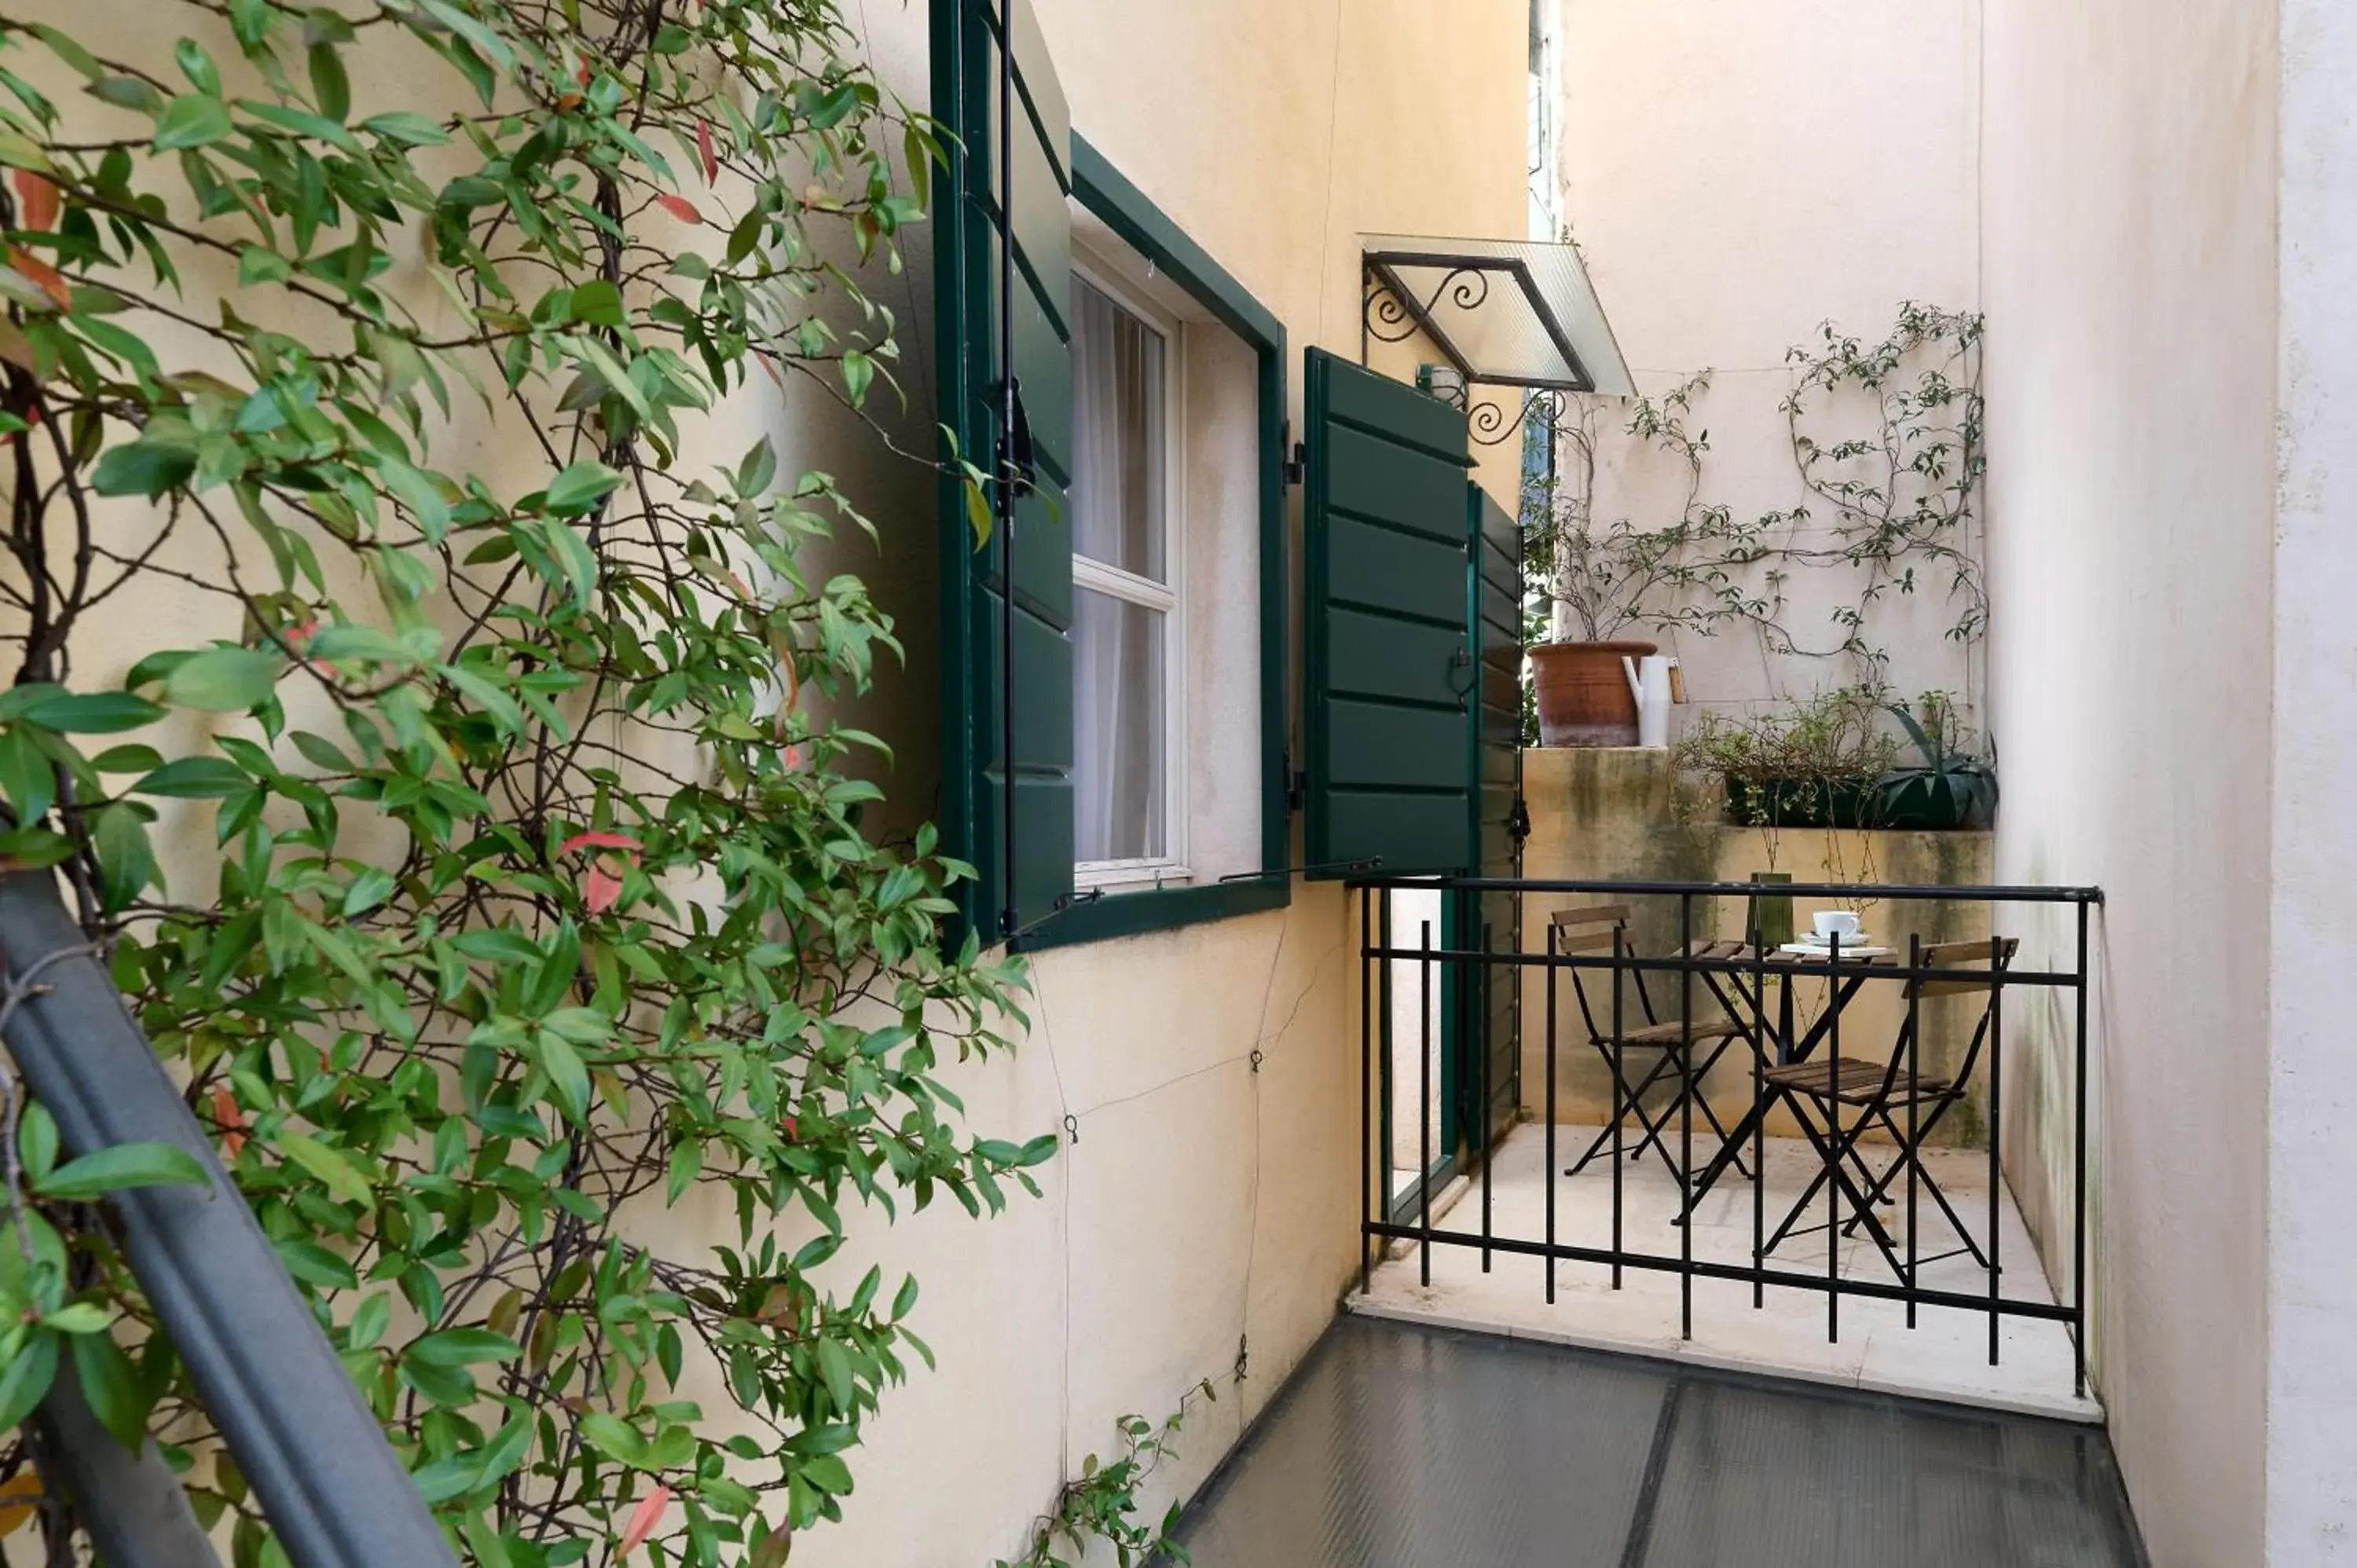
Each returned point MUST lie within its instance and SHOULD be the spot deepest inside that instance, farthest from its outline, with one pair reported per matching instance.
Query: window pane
(1117, 761)
(1118, 432)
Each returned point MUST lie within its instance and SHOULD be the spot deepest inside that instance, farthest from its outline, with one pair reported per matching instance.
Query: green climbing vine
(1887, 442)
(431, 715)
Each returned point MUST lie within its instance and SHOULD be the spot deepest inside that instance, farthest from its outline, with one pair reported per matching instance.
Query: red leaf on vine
(792, 1132)
(704, 146)
(51, 281)
(679, 206)
(230, 1120)
(36, 200)
(601, 888)
(643, 1519)
(599, 838)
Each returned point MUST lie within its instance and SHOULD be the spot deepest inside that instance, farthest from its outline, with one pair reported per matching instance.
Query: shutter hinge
(1297, 788)
(1296, 461)
(1518, 821)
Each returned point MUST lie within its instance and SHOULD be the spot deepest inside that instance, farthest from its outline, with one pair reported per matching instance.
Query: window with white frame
(1129, 774)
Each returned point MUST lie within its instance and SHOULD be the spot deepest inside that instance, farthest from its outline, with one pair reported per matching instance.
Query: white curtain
(1117, 504)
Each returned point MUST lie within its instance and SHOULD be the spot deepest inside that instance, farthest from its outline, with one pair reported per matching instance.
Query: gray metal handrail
(330, 1485)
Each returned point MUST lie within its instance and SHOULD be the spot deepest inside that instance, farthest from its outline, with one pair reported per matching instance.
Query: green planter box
(1915, 806)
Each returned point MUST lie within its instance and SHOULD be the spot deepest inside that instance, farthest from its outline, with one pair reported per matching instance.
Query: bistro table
(1792, 961)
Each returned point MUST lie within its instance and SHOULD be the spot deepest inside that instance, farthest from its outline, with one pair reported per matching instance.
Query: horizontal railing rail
(1868, 1129)
(332, 1487)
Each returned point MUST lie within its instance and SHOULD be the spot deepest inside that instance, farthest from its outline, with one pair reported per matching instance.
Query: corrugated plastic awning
(1516, 312)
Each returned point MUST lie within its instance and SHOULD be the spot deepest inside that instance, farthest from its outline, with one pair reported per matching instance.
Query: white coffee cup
(1832, 923)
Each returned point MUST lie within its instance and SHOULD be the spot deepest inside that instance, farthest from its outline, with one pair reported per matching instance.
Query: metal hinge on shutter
(1518, 821)
(1297, 460)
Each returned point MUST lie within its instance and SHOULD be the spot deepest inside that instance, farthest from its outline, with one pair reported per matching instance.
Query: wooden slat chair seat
(1863, 1082)
(1906, 1105)
(1672, 1032)
(1687, 1050)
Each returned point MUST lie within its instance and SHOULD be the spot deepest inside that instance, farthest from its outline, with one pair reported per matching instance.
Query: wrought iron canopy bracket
(1517, 314)
(1393, 313)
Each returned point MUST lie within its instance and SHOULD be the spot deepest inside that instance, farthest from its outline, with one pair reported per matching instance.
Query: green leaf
(371, 887)
(462, 1347)
(314, 1265)
(197, 67)
(330, 88)
(26, 1378)
(68, 51)
(142, 469)
(332, 1166)
(79, 1317)
(568, 1079)
(615, 1438)
(91, 712)
(36, 1144)
(225, 679)
(117, 1394)
(579, 488)
(27, 776)
(120, 1166)
(834, 1366)
(195, 779)
(192, 120)
(127, 860)
(368, 1323)
(599, 302)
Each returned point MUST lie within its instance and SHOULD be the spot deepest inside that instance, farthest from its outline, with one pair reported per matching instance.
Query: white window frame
(1104, 273)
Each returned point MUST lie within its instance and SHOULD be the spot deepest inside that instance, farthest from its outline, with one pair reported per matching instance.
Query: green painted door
(1004, 303)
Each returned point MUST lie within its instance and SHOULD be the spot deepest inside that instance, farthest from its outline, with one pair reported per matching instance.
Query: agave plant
(1952, 786)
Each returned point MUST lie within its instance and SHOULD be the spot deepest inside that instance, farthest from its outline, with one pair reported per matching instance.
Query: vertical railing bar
(1834, 1152)
(1424, 1109)
(1367, 1055)
(1619, 1075)
(1489, 1089)
(1914, 1098)
(1690, 1083)
(1996, 1124)
(2079, 1178)
(1759, 1117)
(1387, 1028)
(1552, 1173)
(1788, 1030)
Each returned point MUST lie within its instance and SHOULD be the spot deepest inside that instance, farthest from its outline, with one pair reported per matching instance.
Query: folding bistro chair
(1894, 1098)
(1686, 1054)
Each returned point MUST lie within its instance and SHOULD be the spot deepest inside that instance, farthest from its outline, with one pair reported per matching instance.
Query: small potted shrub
(1950, 786)
(1819, 765)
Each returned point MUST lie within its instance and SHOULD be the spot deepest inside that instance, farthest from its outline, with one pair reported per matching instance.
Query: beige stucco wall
(1206, 1214)
(2311, 1265)
(2130, 277)
(1737, 174)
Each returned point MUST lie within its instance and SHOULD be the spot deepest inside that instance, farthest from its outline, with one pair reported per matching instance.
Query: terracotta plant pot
(1583, 692)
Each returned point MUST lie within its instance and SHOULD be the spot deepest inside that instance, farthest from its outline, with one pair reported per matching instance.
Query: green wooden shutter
(1496, 610)
(1389, 677)
(977, 236)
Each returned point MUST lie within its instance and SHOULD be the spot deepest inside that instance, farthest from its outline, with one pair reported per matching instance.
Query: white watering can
(1650, 683)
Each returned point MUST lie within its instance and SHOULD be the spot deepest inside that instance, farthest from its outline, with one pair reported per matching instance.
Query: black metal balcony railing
(1865, 1111)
